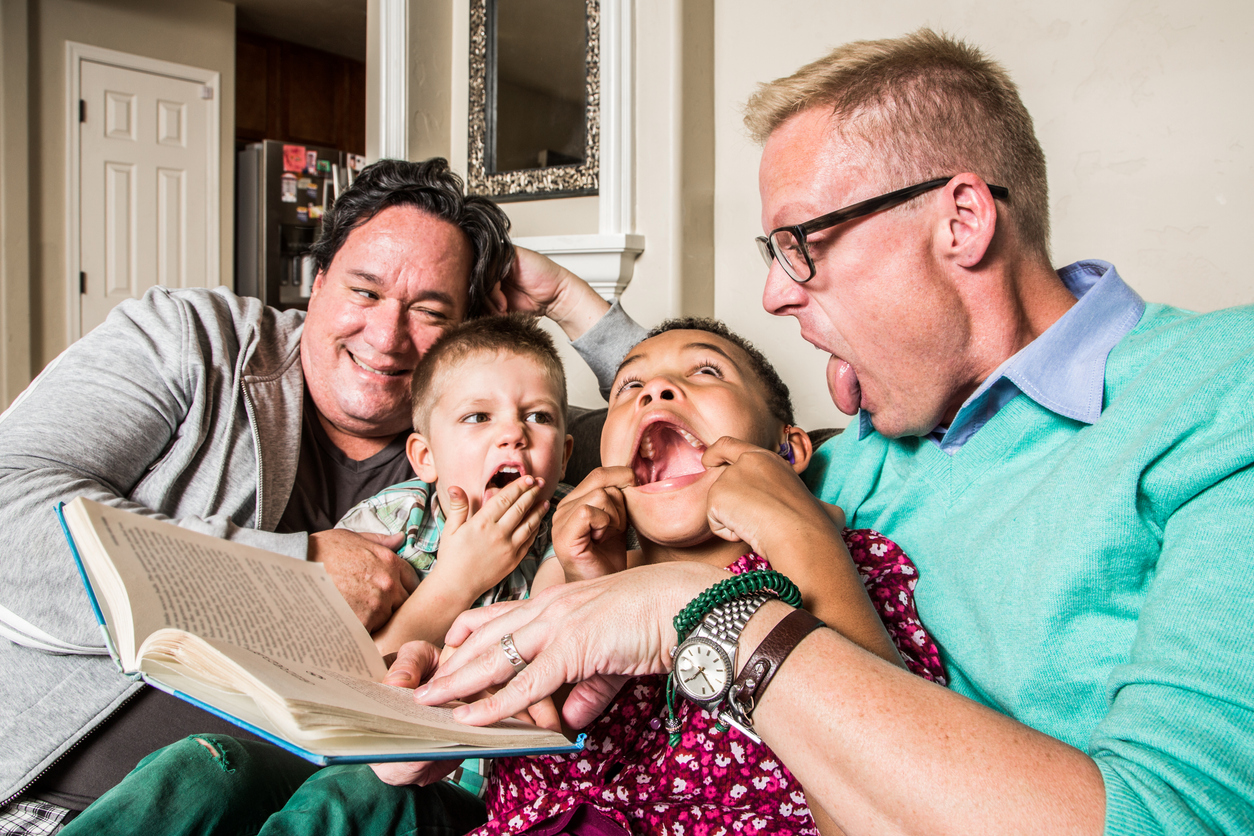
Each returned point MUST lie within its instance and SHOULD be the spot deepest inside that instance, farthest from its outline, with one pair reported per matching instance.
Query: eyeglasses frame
(802, 231)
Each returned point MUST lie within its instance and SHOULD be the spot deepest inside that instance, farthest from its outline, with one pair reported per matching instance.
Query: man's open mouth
(373, 370)
(666, 451)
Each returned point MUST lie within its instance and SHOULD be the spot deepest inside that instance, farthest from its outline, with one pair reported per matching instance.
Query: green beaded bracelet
(737, 586)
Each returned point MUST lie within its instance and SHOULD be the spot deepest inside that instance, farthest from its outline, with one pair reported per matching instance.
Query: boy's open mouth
(666, 451)
(505, 474)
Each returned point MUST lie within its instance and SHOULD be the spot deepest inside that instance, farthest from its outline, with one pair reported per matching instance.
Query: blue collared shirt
(1064, 369)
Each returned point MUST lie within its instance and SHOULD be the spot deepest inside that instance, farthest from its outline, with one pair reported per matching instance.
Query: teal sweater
(1096, 582)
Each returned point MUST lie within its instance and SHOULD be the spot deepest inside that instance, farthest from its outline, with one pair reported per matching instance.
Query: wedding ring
(511, 653)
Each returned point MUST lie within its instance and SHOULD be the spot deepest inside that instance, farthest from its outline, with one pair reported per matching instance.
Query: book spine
(312, 757)
(91, 593)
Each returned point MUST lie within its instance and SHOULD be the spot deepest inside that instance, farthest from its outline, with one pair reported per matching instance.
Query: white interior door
(144, 173)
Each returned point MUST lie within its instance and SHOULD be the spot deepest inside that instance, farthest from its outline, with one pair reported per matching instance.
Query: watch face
(702, 670)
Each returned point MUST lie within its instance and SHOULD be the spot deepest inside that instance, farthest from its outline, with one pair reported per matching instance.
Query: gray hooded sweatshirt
(183, 405)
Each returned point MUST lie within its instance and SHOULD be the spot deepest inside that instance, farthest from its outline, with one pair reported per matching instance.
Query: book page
(307, 704)
(363, 746)
(224, 591)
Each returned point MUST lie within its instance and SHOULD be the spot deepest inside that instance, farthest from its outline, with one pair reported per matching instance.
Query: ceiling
(337, 26)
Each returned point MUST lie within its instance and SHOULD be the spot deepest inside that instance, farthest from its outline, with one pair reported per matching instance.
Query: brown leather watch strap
(757, 673)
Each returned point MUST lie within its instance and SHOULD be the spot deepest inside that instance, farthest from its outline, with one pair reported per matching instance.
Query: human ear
(570, 448)
(797, 442)
(317, 283)
(418, 451)
(971, 220)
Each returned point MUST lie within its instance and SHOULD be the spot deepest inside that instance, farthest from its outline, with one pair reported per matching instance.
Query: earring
(785, 450)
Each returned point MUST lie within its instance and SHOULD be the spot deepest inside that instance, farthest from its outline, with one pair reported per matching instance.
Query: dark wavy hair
(432, 187)
(778, 400)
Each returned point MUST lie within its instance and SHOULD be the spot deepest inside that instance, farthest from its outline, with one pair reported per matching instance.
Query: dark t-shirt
(328, 483)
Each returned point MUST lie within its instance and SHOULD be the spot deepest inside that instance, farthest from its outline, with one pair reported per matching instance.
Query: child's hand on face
(759, 496)
(478, 552)
(590, 526)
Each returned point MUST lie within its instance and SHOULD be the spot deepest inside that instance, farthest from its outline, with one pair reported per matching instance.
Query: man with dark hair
(243, 422)
(432, 188)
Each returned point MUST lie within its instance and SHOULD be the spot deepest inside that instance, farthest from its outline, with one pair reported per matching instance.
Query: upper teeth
(509, 468)
(646, 442)
(372, 369)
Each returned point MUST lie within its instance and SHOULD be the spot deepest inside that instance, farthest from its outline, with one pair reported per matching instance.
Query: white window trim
(392, 36)
(605, 260)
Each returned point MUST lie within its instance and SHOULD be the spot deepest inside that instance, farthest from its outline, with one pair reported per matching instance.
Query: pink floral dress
(712, 782)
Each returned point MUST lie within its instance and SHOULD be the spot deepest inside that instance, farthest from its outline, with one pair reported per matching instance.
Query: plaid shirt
(31, 817)
(411, 507)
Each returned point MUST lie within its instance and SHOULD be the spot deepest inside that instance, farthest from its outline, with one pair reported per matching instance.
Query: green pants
(213, 784)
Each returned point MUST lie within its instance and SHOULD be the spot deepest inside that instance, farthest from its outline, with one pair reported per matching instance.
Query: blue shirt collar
(1064, 369)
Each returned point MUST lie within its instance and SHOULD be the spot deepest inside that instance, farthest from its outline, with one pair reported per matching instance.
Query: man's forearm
(884, 751)
(577, 309)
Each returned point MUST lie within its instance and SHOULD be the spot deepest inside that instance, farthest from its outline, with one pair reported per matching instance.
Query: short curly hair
(778, 400)
(432, 187)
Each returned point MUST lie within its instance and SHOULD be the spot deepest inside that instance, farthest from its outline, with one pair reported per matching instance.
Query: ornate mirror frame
(531, 183)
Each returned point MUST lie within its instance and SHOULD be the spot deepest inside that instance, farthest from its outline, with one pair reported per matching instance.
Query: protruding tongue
(842, 385)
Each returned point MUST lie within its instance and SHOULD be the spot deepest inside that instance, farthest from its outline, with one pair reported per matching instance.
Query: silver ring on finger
(512, 654)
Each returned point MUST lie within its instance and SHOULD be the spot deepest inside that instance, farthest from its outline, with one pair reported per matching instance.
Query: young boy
(489, 448)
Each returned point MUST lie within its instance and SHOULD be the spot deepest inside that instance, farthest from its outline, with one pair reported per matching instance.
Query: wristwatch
(705, 662)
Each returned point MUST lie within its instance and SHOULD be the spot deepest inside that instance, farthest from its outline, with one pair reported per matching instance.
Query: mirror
(534, 98)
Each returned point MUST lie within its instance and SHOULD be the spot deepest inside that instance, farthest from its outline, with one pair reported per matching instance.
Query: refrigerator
(282, 192)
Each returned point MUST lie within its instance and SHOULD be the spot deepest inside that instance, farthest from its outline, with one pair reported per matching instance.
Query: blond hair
(930, 106)
(516, 333)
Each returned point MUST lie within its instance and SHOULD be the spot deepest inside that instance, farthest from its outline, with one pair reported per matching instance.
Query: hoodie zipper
(6, 802)
(251, 409)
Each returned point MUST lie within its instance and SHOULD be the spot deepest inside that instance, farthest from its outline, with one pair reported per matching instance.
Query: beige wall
(15, 368)
(675, 143)
(1142, 108)
(430, 81)
(199, 33)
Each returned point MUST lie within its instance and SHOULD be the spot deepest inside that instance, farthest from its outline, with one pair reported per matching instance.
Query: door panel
(144, 170)
(171, 228)
(119, 222)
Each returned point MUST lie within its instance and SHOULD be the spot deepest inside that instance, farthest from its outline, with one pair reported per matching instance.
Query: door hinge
(82, 110)
(82, 282)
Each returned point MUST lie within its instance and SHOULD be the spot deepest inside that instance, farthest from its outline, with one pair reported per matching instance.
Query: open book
(264, 641)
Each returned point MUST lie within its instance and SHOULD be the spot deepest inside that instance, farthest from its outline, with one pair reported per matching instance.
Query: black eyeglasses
(788, 243)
